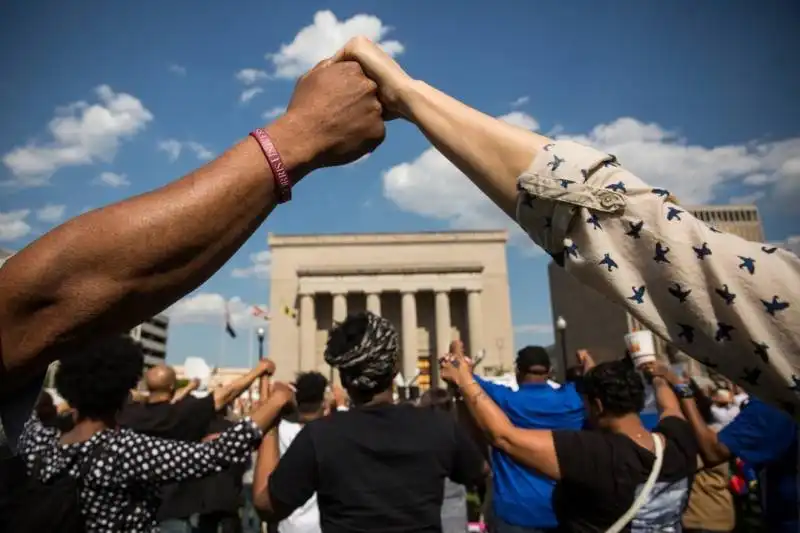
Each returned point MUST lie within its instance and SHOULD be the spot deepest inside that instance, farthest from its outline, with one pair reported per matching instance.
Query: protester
(377, 465)
(110, 269)
(454, 505)
(521, 497)
(165, 415)
(310, 405)
(763, 437)
(602, 223)
(116, 472)
(723, 408)
(599, 473)
(710, 508)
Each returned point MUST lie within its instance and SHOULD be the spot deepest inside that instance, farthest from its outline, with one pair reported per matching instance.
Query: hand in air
(266, 367)
(392, 80)
(455, 368)
(660, 370)
(333, 118)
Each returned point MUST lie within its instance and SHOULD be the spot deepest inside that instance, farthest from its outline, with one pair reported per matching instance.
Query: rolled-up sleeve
(730, 303)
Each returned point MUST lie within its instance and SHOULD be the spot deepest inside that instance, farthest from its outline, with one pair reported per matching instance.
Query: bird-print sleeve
(732, 304)
(145, 459)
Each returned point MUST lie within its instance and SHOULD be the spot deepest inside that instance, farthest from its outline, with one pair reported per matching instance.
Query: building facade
(435, 287)
(595, 323)
(152, 337)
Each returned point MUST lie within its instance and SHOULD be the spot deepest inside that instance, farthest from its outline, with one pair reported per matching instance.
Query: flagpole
(222, 333)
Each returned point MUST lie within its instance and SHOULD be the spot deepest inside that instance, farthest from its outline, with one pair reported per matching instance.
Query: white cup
(641, 346)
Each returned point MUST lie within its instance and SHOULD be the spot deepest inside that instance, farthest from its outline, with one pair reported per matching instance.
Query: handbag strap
(647, 488)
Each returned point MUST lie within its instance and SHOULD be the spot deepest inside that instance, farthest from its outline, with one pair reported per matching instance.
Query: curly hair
(310, 391)
(97, 380)
(365, 348)
(618, 387)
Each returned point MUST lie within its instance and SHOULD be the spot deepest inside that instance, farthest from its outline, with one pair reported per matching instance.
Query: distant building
(598, 325)
(152, 337)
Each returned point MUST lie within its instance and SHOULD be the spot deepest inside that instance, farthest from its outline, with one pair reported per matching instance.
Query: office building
(152, 337)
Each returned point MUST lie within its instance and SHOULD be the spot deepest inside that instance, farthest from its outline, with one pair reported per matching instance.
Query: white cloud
(534, 329)
(82, 134)
(250, 76)
(177, 69)
(13, 225)
(111, 179)
(274, 112)
(432, 187)
(751, 198)
(209, 308)
(260, 264)
(249, 94)
(522, 100)
(324, 38)
(173, 149)
(51, 213)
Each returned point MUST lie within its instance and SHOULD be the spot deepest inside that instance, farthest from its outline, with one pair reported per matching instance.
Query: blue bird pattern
(687, 331)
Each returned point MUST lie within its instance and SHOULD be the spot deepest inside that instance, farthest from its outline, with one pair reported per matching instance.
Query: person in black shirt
(377, 467)
(186, 420)
(599, 473)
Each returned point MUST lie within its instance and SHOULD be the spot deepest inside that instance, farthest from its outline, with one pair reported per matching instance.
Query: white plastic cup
(641, 346)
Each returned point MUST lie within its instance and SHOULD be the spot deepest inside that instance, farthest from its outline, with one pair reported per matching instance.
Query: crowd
(573, 458)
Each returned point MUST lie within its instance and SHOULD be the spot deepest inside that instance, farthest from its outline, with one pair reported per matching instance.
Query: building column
(374, 303)
(339, 307)
(308, 330)
(475, 322)
(443, 334)
(410, 339)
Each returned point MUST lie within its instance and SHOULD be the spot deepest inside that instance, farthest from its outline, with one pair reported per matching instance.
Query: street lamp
(561, 328)
(260, 333)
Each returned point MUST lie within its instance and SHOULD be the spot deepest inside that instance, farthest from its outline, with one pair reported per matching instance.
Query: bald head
(160, 379)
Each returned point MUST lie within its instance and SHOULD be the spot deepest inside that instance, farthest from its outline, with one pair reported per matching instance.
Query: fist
(335, 114)
(266, 367)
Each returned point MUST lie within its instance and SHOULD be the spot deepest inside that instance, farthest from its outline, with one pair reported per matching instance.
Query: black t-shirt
(376, 468)
(186, 420)
(602, 473)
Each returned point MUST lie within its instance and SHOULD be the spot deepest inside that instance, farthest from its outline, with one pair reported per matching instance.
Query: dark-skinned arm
(110, 269)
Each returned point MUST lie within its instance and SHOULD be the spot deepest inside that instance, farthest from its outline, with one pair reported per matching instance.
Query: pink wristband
(282, 183)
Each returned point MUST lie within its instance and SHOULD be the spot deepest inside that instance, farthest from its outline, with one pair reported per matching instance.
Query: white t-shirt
(304, 519)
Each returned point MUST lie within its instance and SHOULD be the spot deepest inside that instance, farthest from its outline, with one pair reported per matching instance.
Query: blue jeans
(499, 526)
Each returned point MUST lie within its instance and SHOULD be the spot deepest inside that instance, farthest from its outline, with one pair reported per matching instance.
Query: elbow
(502, 439)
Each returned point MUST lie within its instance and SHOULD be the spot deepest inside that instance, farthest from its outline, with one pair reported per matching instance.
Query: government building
(435, 287)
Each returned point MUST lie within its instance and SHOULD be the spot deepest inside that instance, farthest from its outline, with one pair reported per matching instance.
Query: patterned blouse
(121, 487)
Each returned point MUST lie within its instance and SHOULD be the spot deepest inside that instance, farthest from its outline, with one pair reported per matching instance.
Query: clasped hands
(337, 111)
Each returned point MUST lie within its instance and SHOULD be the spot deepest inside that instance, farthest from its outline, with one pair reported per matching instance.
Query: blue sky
(691, 96)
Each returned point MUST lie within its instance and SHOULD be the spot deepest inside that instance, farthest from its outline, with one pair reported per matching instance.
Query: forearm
(109, 269)
(229, 392)
(183, 392)
(489, 151)
(668, 404)
(486, 414)
(268, 456)
(712, 451)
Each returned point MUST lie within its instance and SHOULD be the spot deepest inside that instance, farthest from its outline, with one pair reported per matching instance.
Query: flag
(260, 313)
(288, 311)
(228, 326)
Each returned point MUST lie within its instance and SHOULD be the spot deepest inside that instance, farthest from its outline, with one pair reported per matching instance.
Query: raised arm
(107, 270)
(532, 447)
(227, 393)
(159, 461)
(730, 303)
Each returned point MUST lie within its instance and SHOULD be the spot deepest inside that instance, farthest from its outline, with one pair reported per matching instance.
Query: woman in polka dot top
(120, 471)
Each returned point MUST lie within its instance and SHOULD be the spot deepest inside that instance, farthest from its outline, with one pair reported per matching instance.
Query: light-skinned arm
(108, 270)
(229, 392)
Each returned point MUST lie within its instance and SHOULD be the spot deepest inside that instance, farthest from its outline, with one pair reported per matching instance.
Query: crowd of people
(573, 458)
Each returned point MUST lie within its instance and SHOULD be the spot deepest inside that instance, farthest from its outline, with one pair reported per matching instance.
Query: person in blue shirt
(765, 438)
(521, 499)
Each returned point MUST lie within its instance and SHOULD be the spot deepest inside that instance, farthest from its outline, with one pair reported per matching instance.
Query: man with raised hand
(731, 303)
(107, 270)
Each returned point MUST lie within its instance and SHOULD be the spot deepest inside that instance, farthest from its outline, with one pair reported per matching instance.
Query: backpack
(52, 507)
